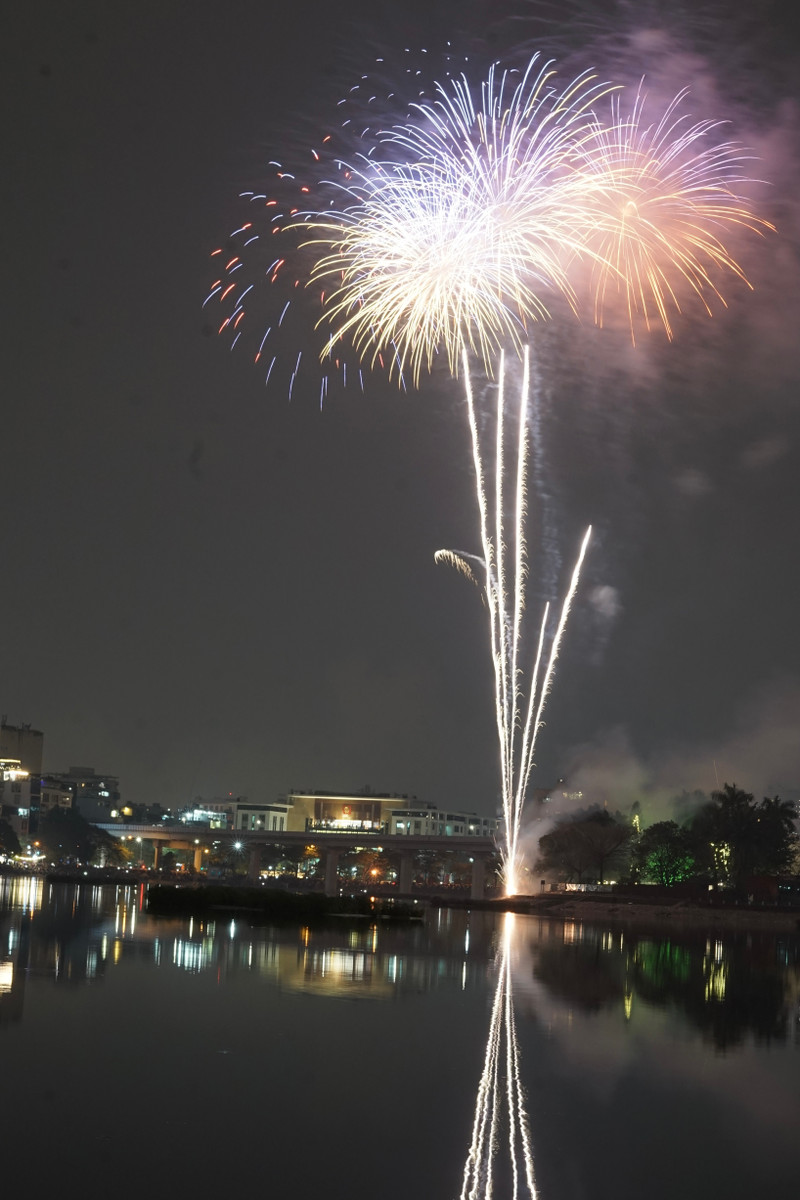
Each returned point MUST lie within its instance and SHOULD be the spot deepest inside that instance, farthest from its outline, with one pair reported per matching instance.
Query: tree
(664, 854)
(365, 865)
(776, 836)
(65, 836)
(430, 866)
(9, 842)
(741, 838)
(585, 849)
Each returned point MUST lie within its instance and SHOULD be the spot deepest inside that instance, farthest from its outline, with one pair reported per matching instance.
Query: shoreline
(663, 915)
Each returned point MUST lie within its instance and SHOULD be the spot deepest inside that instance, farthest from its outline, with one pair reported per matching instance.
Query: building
(55, 794)
(238, 813)
(429, 821)
(336, 812)
(96, 797)
(370, 812)
(15, 796)
(25, 744)
(367, 811)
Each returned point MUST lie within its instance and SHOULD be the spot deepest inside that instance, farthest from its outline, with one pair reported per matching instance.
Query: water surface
(345, 1061)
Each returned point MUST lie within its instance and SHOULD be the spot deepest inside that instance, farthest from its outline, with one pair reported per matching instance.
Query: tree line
(727, 841)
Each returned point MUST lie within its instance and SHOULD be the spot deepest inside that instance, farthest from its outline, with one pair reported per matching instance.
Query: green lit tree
(665, 854)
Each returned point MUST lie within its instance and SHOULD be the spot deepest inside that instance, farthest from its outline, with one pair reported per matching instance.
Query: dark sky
(210, 589)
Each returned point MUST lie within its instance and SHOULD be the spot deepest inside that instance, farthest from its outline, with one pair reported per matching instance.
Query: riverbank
(666, 912)
(589, 908)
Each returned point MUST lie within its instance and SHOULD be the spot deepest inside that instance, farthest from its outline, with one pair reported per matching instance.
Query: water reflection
(745, 984)
(728, 988)
(74, 933)
(646, 1042)
(500, 1132)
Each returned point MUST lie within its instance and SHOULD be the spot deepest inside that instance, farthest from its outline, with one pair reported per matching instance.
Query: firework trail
(521, 688)
(500, 1104)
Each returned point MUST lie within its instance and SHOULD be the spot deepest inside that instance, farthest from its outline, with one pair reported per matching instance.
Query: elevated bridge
(331, 843)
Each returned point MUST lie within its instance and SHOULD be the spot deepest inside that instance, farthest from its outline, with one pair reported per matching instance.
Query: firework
(521, 688)
(461, 226)
(452, 234)
(460, 238)
(672, 194)
(261, 299)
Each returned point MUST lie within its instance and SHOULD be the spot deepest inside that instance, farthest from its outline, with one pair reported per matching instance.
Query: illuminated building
(238, 813)
(26, 744)
(367, 811)
(426, 820)
(381, 813)
(15, 795)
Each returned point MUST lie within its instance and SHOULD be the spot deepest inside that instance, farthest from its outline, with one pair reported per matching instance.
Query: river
(363, 1060)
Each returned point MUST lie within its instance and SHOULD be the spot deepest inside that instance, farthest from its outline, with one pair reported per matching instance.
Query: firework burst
(461, 237)
(671, 200)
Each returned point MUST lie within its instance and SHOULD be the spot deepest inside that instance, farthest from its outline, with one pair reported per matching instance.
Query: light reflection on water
(583, 1027)
(366, 962)
(743, 984)
(500, 1130)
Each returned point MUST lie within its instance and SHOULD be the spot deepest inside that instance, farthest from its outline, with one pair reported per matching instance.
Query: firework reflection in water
(500, 1126)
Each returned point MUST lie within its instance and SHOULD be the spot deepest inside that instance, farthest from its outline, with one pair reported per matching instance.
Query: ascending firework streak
(521, 688)
(500, 1105)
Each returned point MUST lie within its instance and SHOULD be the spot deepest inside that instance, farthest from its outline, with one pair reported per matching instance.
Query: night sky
(209, 589)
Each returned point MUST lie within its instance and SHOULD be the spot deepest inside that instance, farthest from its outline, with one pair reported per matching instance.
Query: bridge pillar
(254, 864)
(405, 880)
(156, 855)
(478, 878)
(197, 861)
(332, 870)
